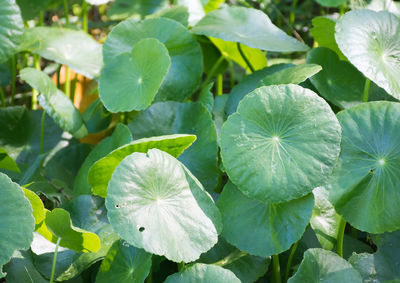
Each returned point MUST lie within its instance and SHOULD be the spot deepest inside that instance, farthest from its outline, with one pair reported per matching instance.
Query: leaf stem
(53, 268)
(276, 268)
(339, 242)
(2, 97)
(292, 15)
(85, 16)
(181, 266)
(212, 72)
(66, 12)
(220, 81)
(290, 259)
(13, 78)
(67, 83)
(244, 57)
(366, 90)
(232, 257)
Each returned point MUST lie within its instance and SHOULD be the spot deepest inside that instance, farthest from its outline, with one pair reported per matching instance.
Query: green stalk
(292, 15)
(212, 71)
(290, 259)
(181, 266)
(35, 93)
(41, 18)
(231, 74)
(2, 97)
(366, 90)
(85, 16)
(13, 78)
(220, 82)
(339, 242)
(67, 83)
(244, 57)
(58, 76)
(53, 268)
(276, 268)
(232, 257)
(74, 81)
(66, 12)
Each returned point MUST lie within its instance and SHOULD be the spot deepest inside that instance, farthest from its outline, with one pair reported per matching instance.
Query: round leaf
(365, 181)
(282, 142)
(373, 48)
(319, 265)
(131, 80)
(154, 203)
(137, 9)
(11, 28)
(184, 118)
(17, 221)
(186, 68)
(248, 26)
(259, 228)
(100, 173)
(203, 273)
(331, 3)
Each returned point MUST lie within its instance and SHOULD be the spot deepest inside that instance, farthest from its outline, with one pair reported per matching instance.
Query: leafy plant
(199, 141)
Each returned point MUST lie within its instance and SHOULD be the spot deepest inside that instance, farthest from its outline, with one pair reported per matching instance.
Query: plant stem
(67, 83)
(231, 74)
(53, 268)
(66, 12)
(181, 266)
(85, 16)
(339, 242)
(212, 71)
(220, 82)
(232, 257)
(74, 81)
(244, 57)
(292, 15)
(276, 269)
(41, 18)
(290, 259)
(2, 97)
(35, 93)
(366, 90)
(58, 76)
(13, 78)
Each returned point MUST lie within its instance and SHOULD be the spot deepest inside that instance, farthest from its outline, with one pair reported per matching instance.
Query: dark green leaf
(11, 28)
(203, 273)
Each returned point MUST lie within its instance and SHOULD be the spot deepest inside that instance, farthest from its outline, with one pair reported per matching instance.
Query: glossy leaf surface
(11, 28)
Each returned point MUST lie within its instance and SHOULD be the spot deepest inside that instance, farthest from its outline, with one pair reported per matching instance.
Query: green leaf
(282, 142)
(382, 266)
(373, 48)
(137, 9)
(37, 206)
(11, 28)
(320, 265)
(323, 31)
(384, 5)
(101, 171)
(195, 8)
(363, 187)
(6, 162)
(60, 45)
(339, 81)
(131, 80)
(186, 68)
(206, 97)
(17, 222)
(120, 136)
(184, 118)
(154, 203)
(324, 220)
(176, 13)
(55, 103)
(246, 267)
(96, 117)
(230, 50)
(292, 75)
(59, 223)
(212, 5)
(203, 273)
(248, 84)
(124, 264)
(21, 268)
(331, 3)
(248, 26)
(260, 228)
(31, 8)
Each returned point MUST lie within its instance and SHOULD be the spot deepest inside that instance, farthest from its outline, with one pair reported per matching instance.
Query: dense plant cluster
(199, 141)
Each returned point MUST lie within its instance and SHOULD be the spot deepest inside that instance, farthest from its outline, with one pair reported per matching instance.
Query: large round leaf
(374, 48)
(76, 49)
(131, 80)
(248, 26)
(186, 58)
(55, 103)
(282, 142)
(154, 203)
(166, 118)
(17, 221)
(203, 273)
(100, 173)
(319, 265)
(364, 187)
(11, 28)
(260, 228)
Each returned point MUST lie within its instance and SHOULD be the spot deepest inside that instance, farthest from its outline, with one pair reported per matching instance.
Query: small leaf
(96, 117)
(124, 264)
(248, 26)
(59, 223)
(154, 203)
(6, 162)
(11, 29)
(101, 171)
(55, 103)
(131, 80)
(319, 265)
(37, 206)
(203, 273)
